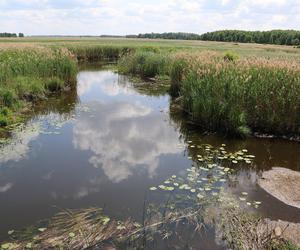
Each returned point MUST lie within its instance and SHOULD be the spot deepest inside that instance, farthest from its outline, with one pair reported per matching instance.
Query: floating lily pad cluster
(211, 169)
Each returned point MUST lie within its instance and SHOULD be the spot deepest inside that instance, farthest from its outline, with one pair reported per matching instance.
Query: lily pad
(72, 235)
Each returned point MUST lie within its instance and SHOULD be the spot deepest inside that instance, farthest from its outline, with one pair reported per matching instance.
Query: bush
(231, 56)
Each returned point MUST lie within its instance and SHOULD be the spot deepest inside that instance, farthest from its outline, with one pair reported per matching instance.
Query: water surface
(105, 144)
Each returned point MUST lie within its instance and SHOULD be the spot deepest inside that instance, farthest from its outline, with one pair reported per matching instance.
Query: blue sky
(95, 17)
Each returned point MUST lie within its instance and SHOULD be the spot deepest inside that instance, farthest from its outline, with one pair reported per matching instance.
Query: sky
(121, 17)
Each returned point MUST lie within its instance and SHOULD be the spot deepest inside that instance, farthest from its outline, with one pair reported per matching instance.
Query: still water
(105, 144)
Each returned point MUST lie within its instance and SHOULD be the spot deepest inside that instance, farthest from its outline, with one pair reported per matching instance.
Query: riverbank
(28, 75)
(224, 93)
(229, 93)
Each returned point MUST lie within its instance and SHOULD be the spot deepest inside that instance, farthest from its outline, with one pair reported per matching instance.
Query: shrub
(231, 56)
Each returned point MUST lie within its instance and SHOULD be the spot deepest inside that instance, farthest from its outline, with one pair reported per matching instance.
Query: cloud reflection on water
(124, 138)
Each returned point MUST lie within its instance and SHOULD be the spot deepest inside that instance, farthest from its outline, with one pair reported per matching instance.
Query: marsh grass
(224, 93)
(144, 63)
(29, 74)
(94, 53)
(236, 96)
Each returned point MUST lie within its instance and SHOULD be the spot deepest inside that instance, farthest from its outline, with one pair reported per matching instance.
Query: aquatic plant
(144, 64)
(96, 53)
(236, 96)
(29, 74)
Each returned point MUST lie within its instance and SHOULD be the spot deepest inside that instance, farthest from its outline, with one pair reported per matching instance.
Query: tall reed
(29, 74)
(238, 95)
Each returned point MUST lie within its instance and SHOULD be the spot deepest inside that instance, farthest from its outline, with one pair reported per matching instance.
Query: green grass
(234, 88)
(30, 74)
(224, 93)
(238, 96)
(144, 64)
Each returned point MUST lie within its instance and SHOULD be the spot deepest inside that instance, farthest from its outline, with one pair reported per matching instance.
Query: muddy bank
(282, 183)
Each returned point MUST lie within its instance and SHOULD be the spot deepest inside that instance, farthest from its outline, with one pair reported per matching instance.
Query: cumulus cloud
(75, 17)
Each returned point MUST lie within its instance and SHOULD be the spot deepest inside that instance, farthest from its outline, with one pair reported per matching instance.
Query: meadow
(229, 87)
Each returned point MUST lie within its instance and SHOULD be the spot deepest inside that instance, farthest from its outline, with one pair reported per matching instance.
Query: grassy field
(243, 49)
(229, 87)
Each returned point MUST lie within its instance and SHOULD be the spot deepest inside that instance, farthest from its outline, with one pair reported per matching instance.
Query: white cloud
(123, 17)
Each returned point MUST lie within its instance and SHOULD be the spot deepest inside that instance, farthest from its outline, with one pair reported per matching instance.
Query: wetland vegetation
(165, 178)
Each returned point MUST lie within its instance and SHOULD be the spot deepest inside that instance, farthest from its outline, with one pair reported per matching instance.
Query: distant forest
(169, 35)
(282, 37)
(11, 34)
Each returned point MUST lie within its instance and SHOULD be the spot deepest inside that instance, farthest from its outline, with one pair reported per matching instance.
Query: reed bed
(236, 96)
(144, 64)
(228, 94)
(29, 74)
(96, 53)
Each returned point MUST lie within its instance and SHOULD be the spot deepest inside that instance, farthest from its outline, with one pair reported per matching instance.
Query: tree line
(282, 37)
(169, 35)
(5, 34)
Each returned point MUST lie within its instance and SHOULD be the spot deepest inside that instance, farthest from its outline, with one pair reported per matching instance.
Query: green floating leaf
(10, 232)
(121, 227)
(28, 245)
(72, 235)
(137, 225)
(200, 196)
(8, 246)
(105, 220)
